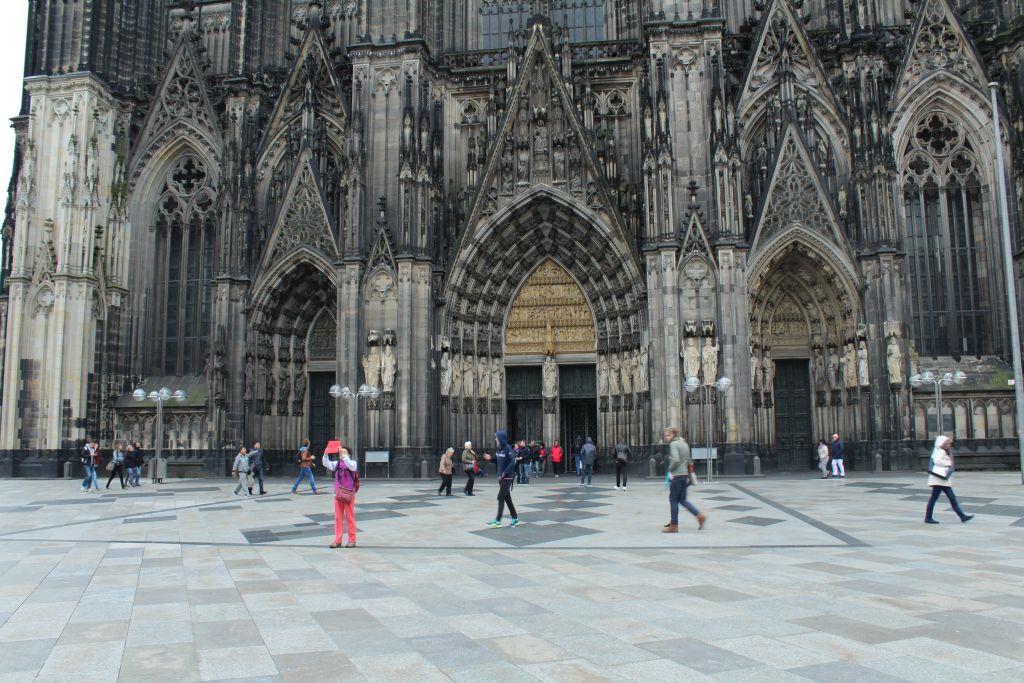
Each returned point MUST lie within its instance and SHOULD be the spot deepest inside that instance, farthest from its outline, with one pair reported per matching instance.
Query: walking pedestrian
(130, 463)
(577, 453)
(256, 466)
(469, 467)
(940, 478)
(588, 454)
(117, 460)
(542, 456)
(556, 458)
(346, 484)
(90, 461)
(506, 472)
(445, 470)
(823, 458)
(305, 459)
(622, 454)
(523, 457)
(240, 469)
(679, 467)
(838, 468)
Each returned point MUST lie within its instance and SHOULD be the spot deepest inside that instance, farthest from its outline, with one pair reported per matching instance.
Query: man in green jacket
(679, 480)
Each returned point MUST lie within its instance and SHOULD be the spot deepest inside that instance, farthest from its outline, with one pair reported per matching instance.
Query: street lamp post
(693, 384)
(945, 379)
(159, 397)
(364, 391)
(1008, 275)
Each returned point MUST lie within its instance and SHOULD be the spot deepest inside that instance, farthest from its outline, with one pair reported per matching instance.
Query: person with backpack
(256, 467)
(588, 456)
(622, 454)
(305, 460)
(346, 484)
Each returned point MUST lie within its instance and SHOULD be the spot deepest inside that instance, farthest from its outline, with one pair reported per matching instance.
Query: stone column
(735, 340)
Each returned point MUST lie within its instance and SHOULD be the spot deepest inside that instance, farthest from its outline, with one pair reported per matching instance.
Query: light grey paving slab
(25, 656)
(235, 663)
(698, 655)
(213, 635)
(844, 672)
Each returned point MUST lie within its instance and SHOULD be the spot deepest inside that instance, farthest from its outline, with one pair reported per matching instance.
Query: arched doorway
(550, 345)
(804, 340)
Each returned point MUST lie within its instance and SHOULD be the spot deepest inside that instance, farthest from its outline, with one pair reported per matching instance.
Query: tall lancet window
(583, 20)
(949, 278)
(185, 227)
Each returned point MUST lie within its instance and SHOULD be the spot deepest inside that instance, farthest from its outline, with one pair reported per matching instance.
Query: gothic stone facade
(541, 214)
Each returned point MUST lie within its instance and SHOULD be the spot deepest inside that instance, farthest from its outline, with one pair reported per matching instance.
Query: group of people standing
(124, 463)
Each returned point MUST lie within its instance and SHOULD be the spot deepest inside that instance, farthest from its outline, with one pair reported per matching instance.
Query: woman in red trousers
(344, 472)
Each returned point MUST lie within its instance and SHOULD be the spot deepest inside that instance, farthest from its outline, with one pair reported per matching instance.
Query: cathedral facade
(752, 220)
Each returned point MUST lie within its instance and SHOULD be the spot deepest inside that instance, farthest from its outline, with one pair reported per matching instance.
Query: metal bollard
(67, 470)
(652, 468)
(424, 469)
(878, 461)
(757, 465)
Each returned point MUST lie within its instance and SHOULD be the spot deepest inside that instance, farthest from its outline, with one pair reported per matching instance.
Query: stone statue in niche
(709, 361)
(626, 371)
(833, 368)
(642, 360)
(602, 376)
(768, 365)
(613, 374)
(250, 378)
(894, 361)
(388, 368)
(496, 373)
(691, 358)
(371, 362)
(468, 376)
(483, 383)
(284, 384)
(550, 377)
(819, 370)
(446, 373)
(849, 365)
(756, 371)
(862, 364)
(299, 390)
(456, 375)
(507, 179)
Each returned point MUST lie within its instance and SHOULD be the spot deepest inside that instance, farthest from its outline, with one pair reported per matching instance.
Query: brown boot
(701, 518)
(670, 529)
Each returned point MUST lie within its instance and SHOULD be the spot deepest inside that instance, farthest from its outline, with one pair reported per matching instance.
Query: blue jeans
(677, 497)
(524, 473)
(133, 475)
(90, 478)
(303, 473)
(258, 476)
(938, 490)
(586, 472)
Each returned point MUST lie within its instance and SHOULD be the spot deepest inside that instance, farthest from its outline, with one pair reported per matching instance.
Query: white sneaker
(616, 488)
(623, 488)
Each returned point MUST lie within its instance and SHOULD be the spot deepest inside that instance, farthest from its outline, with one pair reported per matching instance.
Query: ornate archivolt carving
(550, 313)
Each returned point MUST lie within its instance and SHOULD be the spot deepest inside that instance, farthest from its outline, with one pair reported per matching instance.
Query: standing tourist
(445, 470)
(556, 458)
(622, 454)
(131, 465)
(679, 479)
(256, 466)
(940, 478)
(468, 466)
(823, 458)
(240, 469)
(346, 483)
(577, 453)
(305, 467)
(90, 461)
(838, 468)
(506, 471)
(588, 454)
(524, 454)
(117, 460)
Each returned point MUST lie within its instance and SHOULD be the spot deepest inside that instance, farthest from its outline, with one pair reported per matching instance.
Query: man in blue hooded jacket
(506, 461)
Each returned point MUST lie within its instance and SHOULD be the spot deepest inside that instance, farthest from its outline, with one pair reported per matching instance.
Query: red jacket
(556, 454)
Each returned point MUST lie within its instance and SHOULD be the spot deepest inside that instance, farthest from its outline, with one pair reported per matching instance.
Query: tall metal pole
(1008, 275)
(940, 419)
(707, 429)
(159, 439)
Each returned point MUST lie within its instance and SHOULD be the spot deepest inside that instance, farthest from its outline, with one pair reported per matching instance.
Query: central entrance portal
(793, 446)
(525, 407)
(577, 389)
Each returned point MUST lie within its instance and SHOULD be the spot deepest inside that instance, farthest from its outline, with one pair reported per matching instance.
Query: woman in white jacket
(343, 472)
(940, 478)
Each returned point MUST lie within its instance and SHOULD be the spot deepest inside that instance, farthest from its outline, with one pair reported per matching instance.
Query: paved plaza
(793, 579)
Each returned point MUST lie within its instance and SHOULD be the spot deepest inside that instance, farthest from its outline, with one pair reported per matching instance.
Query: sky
(12, 60)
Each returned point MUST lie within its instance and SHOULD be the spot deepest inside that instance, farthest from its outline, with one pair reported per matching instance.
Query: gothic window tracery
(185, 227)
(583, 20)
(948, 273)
